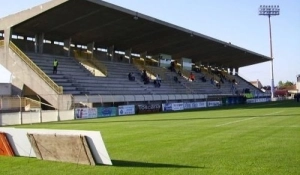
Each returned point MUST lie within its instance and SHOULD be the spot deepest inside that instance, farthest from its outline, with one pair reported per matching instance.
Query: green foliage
(260, 139)
(285, 85)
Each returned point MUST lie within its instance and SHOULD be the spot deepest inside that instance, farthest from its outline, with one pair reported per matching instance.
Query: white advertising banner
(194, 105)
(177, 106)
(258, 100)
(126, 110)
(82, 113)
(214, 103)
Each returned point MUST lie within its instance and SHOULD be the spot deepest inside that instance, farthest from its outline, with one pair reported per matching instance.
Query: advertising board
(126, 110)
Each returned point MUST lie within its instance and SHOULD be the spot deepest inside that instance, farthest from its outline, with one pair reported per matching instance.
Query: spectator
(144, 75)
(221, 80)
(158, 79)
(192, 76)
(55, 65)
(176, 79)
(197, 69)
(179, 73)
(131, 77)
(212, 81)
(172, 66)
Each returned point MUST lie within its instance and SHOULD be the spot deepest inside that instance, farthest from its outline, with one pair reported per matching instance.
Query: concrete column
(7, 38)
(67, 47)
(144, 56)
(90, 49)
(111, 52)
(231, 71)
(236, 71)
(39, 43)
(128, 55)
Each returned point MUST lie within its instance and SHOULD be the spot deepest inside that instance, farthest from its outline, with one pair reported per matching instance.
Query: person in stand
(179, 73)
(172, 67)
(55, 65)
(192, 76)
(157, 81)
(131, 77)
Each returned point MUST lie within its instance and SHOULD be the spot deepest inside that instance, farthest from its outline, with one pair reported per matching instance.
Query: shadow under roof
(86, 21)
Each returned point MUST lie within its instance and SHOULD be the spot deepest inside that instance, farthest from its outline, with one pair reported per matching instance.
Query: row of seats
(77, 80)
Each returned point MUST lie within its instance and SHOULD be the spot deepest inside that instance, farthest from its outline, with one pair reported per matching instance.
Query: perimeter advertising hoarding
(107, 111)
(126, 110)
(258, 100)
(194, 105)
(214, 103)
(183, 106)
(172, 107)
(83, 113)
(148, 108)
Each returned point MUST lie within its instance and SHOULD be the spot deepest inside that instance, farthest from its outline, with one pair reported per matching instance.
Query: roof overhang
(105, 24)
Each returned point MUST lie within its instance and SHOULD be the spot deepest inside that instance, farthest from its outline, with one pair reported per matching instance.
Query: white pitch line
(237, 121)
(228, 123)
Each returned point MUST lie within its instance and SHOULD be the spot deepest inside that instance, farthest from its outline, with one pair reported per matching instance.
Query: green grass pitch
(256, 139)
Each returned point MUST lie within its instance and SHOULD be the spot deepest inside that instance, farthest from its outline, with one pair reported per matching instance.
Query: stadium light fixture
(270, 10)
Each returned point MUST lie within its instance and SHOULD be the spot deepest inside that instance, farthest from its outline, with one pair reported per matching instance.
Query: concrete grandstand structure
(90, 36)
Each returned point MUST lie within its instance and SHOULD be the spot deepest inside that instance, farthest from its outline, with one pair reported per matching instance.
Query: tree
(280, 84)
(285, 85)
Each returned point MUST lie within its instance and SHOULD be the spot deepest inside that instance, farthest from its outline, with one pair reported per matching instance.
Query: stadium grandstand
(97, 44)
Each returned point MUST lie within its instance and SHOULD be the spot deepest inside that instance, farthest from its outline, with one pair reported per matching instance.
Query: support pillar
(128, 55)
(67, 47)
(236, 71)
(90, 49)
(39, 43)
(144, 56)
(7, 38)
(231, 71)
(111, 52)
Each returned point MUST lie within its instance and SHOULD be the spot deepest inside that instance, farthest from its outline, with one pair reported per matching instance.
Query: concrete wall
(5, 89)
(49, 116)
(66, 115)
(10, 118)
(23, 74)
(31, 117)
(17, 118)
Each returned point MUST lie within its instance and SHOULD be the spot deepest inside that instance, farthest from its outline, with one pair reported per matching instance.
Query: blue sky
(235, 21)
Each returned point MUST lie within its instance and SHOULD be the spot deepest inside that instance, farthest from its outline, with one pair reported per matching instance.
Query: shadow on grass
(125, 163)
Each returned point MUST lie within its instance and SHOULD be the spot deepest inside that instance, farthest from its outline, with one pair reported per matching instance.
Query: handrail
(36, 69)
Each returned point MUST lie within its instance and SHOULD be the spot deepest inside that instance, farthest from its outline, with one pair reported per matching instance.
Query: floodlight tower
(270, 10)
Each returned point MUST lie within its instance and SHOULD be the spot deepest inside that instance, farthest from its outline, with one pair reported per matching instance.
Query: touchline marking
(237, 121)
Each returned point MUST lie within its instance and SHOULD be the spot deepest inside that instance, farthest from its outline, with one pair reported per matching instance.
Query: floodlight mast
(270, 10)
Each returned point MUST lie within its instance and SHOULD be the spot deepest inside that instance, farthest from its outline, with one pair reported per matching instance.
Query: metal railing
(36, 69)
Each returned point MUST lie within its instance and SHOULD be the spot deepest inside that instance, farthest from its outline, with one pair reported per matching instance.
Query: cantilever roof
(87, 21)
